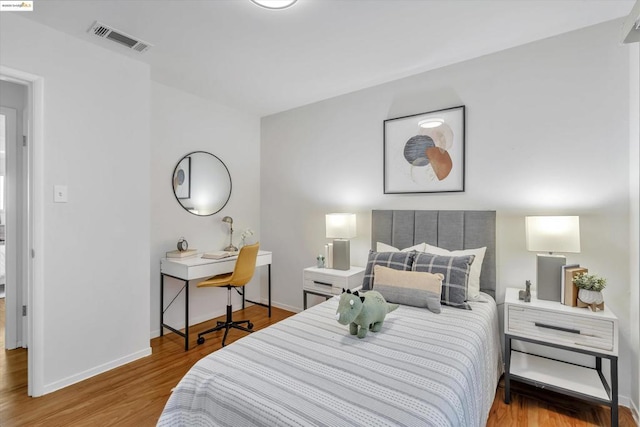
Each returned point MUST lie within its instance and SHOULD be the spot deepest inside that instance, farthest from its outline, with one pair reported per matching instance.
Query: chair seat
(219, 280)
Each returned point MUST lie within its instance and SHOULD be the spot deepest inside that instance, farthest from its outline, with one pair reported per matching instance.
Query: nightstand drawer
(326, 277)
(328, 282)
(323, 287)
(561, 328)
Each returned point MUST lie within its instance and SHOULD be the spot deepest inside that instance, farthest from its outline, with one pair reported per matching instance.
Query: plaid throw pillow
(456, 275)
(395, 260)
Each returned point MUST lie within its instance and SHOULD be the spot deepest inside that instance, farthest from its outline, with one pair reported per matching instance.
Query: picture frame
(425, 153)
(182, 179)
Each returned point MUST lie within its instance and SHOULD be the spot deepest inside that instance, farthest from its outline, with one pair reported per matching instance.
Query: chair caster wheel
(250, 325)
(200, 340)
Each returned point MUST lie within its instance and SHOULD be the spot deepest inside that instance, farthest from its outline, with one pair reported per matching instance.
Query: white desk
(196, 267)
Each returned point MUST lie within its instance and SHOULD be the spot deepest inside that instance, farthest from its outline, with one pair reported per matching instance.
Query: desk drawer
(561, 328)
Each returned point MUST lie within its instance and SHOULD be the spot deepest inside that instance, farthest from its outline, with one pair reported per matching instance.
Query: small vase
(591, 299)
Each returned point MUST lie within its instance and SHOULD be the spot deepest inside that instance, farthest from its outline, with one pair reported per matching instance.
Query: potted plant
(590, 288)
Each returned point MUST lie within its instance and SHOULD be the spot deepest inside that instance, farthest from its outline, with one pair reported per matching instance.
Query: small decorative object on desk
(245, 234)
(525, 294)
(320, 261)
(183, 245)
(590, 289)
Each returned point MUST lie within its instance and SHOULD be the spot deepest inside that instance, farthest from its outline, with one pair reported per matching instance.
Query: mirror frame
(225, 168)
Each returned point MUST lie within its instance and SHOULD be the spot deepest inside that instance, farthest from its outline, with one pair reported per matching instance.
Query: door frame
(33, 254)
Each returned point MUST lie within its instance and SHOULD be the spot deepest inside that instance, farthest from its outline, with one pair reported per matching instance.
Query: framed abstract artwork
(424, 153)
(182, 179)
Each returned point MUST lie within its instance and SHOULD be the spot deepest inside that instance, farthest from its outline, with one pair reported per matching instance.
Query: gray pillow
(456, 275)
(395, 260)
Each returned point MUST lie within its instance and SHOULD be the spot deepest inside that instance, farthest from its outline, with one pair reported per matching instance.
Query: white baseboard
(635, 413)
(286, 307)
(203, 318)
(194, 321)
(48, 388)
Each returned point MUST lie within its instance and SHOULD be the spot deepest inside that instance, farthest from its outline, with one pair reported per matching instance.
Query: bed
(421, 369)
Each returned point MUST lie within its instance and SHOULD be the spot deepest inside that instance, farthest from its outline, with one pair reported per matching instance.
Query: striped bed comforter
(421, 369)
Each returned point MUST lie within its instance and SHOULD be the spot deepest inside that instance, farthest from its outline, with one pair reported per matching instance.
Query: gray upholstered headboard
(452, 230)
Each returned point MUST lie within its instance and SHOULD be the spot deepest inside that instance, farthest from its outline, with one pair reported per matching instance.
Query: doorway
(13, 208)
(15, 218)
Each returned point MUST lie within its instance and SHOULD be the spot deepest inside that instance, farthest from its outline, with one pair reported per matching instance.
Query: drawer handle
(322, 283)
(557, 328)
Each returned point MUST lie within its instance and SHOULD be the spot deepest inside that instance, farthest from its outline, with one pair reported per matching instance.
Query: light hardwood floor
(135, 394)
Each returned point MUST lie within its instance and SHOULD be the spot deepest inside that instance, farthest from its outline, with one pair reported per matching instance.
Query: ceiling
(266, 61)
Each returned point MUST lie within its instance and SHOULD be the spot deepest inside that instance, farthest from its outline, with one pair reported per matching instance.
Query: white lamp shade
(553, 233)
(274, 4)
(341, 225)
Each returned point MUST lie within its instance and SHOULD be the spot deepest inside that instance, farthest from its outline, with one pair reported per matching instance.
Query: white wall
(634, 246)
(95, 255)
(182, 123)
(547, 133)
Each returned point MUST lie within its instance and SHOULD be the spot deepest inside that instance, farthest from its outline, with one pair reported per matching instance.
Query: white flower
(246, 233)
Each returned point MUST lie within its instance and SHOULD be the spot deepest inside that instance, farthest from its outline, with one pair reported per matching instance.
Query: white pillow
(473, 287)
(383, 247)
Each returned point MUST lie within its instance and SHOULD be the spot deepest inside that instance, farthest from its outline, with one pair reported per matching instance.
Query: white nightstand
(327, 282)
(574, 329)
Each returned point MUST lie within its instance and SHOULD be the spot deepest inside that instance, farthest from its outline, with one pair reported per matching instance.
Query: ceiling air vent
(106, 32)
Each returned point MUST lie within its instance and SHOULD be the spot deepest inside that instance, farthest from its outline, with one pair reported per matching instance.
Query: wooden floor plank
(135, 394)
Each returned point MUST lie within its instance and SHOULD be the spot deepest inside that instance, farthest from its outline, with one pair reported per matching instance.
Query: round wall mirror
(201, 183)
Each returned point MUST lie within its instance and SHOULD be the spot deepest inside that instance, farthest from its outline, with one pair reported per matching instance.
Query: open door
(21, 101)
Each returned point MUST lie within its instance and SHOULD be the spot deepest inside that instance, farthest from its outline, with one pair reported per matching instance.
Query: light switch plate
(60, 194)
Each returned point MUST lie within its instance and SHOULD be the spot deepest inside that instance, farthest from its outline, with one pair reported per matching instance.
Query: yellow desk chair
(242, 274)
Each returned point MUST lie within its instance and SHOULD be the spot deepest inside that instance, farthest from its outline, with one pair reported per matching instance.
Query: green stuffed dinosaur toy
(367, 311)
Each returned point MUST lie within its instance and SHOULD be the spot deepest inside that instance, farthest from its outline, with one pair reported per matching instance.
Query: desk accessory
(219, 254)
(229, 221)
(340, 227)
(551, 234)
(183, 245)
(182, 254)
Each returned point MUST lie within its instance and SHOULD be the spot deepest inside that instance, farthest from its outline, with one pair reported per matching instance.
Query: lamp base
(230, 248)
(549, 276)
(341, 254)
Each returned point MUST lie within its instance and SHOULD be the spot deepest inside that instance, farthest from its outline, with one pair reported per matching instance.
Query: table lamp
(229, 221)
(341, 227)
(551, 234)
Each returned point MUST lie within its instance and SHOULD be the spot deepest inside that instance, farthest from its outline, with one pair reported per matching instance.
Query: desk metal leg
(260, 303)
(161, 304)
(186, 315)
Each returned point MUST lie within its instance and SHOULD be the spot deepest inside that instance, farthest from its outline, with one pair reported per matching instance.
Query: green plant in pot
(590, 288)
